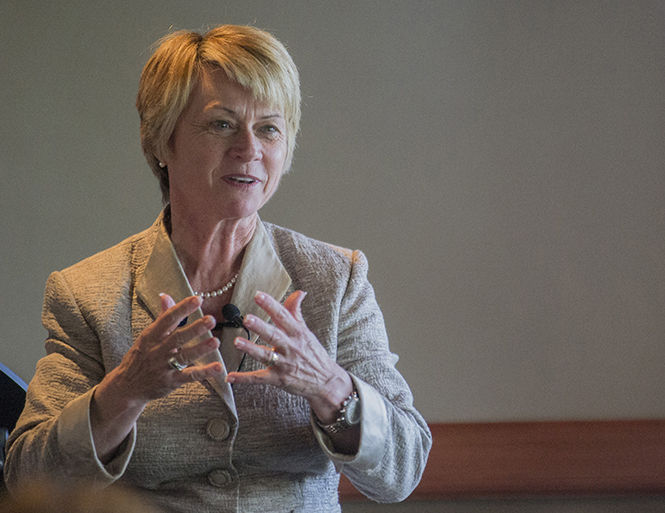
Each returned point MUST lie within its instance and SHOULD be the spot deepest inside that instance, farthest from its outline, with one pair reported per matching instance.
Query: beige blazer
(212, 446)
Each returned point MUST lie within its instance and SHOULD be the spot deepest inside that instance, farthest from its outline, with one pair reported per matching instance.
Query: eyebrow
(231, 111)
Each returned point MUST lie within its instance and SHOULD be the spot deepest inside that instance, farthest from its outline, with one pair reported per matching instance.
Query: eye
(221, 124)
(270, 130)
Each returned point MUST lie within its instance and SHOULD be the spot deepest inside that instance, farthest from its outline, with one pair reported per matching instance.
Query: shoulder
(314, 263)
(120, 254)
(112, 267)
(293, 246)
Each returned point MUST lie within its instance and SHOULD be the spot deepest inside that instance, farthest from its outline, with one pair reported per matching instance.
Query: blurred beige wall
(500, 163)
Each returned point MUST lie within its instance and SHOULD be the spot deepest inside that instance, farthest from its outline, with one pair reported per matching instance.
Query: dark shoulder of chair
(12, 400)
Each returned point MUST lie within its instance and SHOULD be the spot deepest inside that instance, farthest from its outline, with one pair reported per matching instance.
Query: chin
(238, 213)
(225, 207)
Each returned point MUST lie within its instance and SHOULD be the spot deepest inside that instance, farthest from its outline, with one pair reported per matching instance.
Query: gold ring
(173, 362)
(273, 359)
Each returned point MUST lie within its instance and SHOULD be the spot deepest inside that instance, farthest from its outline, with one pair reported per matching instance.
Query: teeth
(241, 180)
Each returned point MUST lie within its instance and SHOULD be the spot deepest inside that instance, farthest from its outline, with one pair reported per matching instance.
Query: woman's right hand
(145, 373)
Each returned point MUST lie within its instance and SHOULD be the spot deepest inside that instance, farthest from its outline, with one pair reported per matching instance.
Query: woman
(141, 385)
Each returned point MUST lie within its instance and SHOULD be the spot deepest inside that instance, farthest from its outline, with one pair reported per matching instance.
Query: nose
(246, 146)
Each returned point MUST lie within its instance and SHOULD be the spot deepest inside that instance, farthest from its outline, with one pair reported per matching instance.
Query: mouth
(241, 179)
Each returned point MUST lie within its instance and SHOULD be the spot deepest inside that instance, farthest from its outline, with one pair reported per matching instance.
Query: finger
(188, 355)
(262, 376)
(280, 316)
(200, 372)
(166, 301)
(256, 351)
(269, 333)
(293, 303)
(182, 336)
(169, 320)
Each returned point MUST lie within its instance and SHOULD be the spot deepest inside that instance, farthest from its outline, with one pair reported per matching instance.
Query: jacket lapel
(261, 270)
(163, 273)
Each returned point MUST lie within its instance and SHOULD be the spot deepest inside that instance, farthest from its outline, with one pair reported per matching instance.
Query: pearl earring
(161, 164)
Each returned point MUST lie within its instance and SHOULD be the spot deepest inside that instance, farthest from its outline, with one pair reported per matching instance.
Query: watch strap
(341, 422)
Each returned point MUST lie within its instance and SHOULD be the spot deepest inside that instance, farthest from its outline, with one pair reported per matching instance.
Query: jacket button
(219, 478)
(218, 429)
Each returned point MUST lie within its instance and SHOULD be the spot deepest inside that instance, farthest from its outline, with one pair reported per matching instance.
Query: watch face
(353, 410)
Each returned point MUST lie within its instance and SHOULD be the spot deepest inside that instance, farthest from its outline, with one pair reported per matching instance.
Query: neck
(210, 252)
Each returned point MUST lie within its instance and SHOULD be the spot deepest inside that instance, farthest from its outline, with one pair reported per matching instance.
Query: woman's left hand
(300, 365)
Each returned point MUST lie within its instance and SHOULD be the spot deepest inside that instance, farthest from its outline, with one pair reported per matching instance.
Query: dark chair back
(12, 399)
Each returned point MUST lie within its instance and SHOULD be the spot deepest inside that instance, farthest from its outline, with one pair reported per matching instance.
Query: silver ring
(273, 359)
(173, 362)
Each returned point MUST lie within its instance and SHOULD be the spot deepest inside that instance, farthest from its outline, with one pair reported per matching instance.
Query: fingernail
(229, 379)
(238, 342)
(249, 320)
(260, 296)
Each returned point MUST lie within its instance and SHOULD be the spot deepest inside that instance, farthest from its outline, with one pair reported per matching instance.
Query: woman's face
(227, 152)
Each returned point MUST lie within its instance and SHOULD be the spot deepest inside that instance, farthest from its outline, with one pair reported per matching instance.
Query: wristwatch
(347, 416)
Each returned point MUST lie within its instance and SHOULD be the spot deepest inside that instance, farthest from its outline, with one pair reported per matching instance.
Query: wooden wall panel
(541, 458)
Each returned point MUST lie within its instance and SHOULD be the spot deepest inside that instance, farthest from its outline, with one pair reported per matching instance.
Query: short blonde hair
(252, 57)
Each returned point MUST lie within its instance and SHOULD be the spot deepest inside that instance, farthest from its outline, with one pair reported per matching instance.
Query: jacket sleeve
(394, 438)
(53, 437)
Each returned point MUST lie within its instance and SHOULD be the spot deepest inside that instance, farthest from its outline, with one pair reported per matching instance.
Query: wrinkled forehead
(213, 80)
(215, 93)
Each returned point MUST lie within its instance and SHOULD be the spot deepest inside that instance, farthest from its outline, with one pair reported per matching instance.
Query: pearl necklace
(218, 292)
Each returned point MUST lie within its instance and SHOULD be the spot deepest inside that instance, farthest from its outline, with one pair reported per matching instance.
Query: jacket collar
(261, 269)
